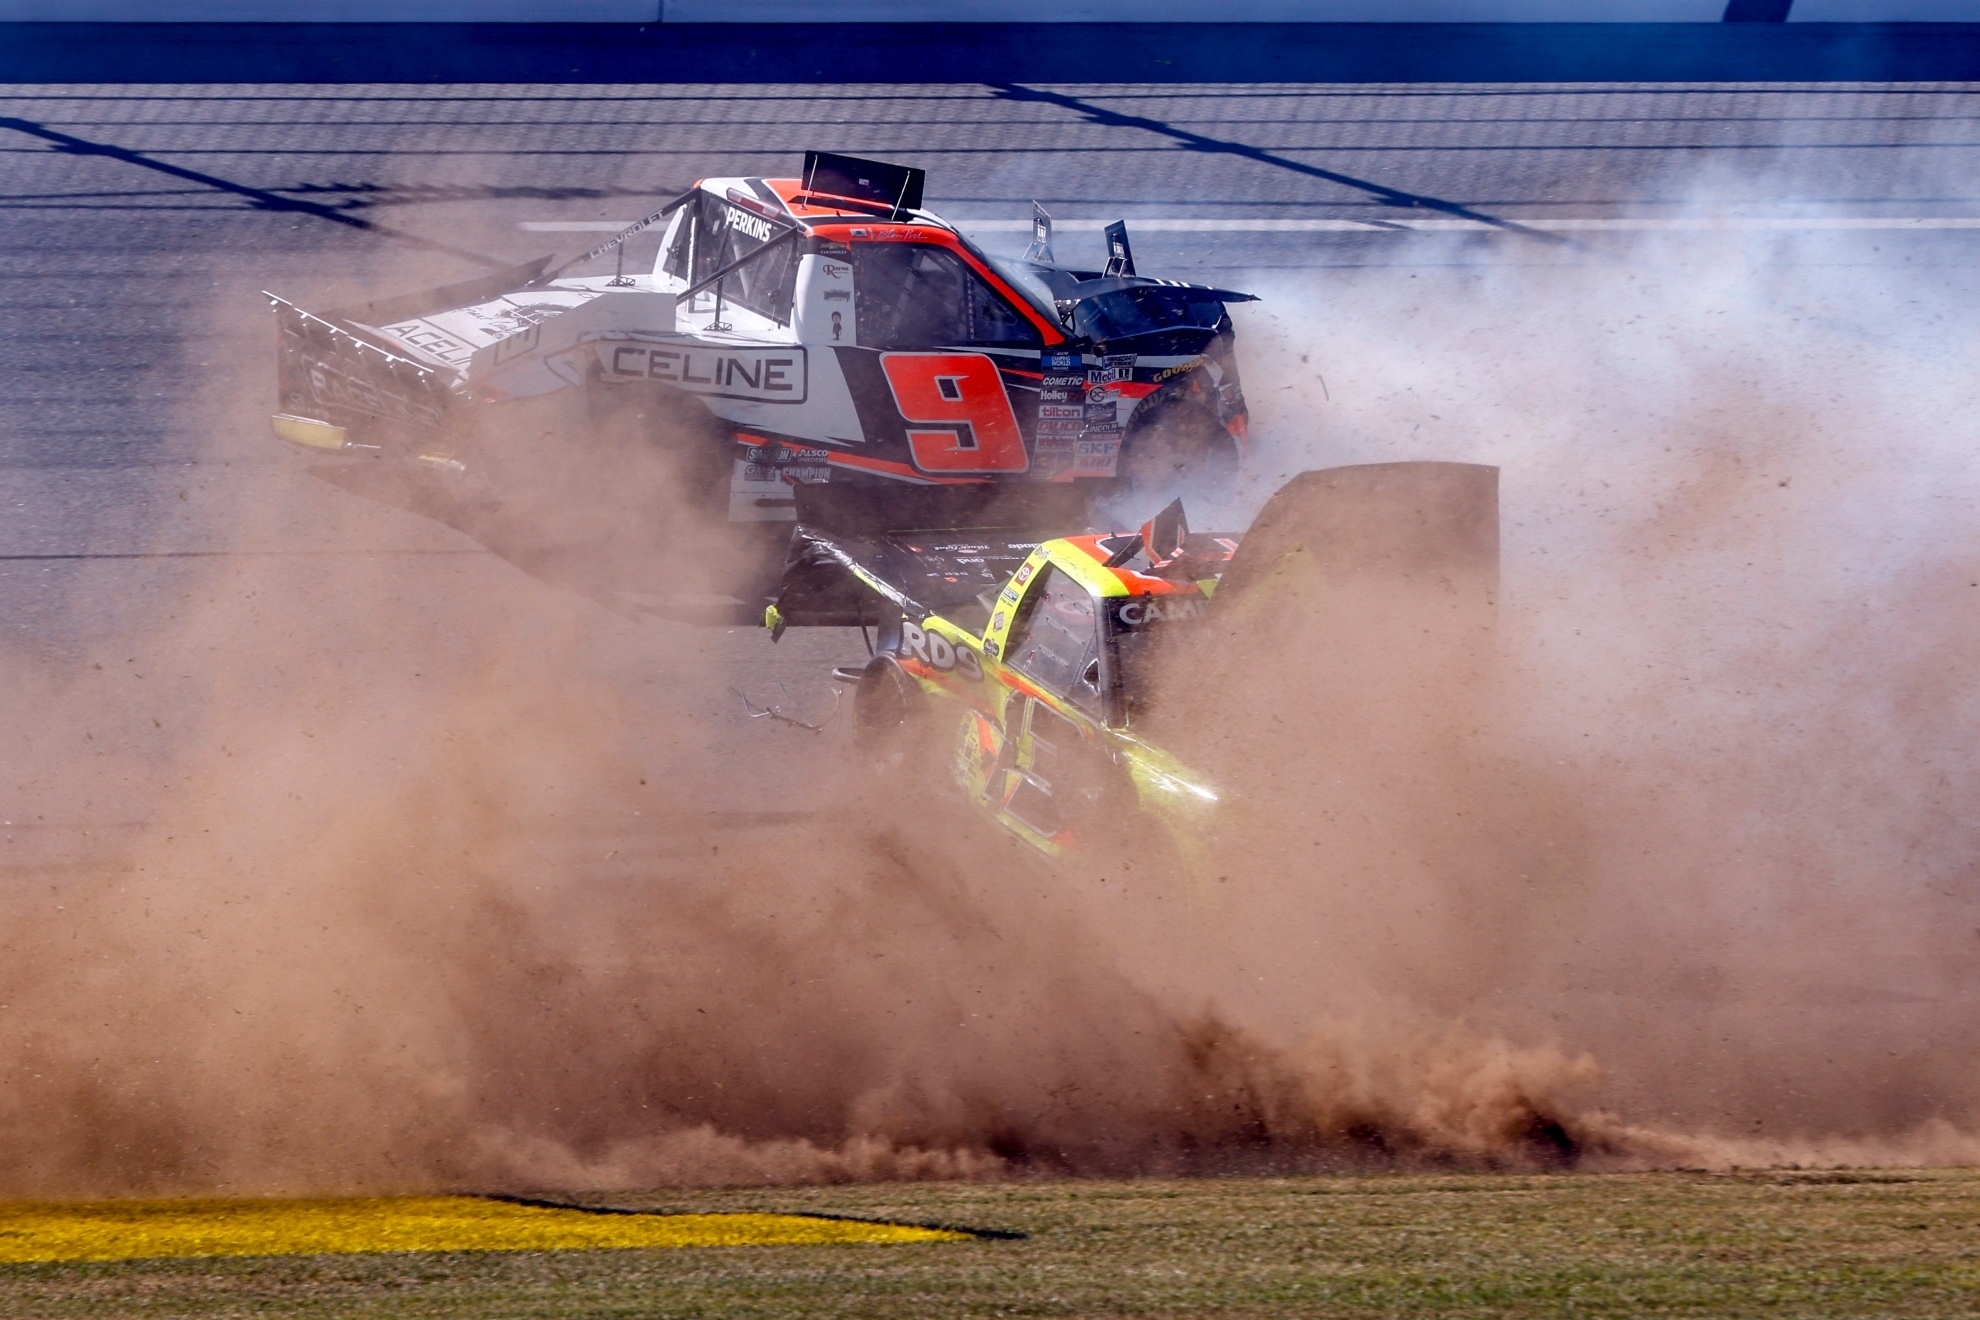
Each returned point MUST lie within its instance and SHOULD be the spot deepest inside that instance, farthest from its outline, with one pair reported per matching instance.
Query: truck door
(1056, 775)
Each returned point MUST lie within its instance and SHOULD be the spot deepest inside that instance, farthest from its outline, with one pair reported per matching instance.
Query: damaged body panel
(816, 330)
(1058, 672)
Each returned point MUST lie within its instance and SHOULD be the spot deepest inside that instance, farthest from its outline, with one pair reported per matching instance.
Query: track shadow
(615, 573)
(1191, 141)
(259, 199)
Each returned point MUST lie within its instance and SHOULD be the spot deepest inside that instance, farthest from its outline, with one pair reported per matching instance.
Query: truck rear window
(718, 232)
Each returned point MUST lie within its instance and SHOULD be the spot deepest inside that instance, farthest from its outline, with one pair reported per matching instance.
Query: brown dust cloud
(383, 864)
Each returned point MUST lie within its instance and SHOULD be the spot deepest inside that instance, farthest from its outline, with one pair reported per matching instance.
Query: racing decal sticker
(432, 340)
(826, 307)
(1139, 611)
(938, 652)
(764, 375)
(1187, 365)
(790, 463)
(743, 222)
(1096, 457)
(1114, 369)
(333, 387)
(964, 395)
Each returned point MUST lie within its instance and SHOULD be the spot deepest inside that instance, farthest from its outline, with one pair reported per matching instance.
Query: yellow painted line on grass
(137, 1230)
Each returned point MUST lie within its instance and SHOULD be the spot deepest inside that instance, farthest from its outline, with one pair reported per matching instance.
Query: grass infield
(1775, 1244)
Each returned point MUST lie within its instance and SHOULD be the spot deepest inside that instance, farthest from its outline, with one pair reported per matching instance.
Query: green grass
(1782, 1244)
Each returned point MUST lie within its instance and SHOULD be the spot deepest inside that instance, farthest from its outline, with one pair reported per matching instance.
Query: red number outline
(963, 394)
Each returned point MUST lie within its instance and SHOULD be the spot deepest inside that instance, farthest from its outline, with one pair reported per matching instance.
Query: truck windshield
(1024, 278)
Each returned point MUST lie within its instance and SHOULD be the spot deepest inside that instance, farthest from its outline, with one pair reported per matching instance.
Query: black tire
(1177, 447)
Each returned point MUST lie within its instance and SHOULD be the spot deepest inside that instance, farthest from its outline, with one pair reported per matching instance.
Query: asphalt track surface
(141, 219)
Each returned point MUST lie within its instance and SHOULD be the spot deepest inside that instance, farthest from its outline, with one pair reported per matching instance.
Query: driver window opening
(1056, 640)
(912, 295)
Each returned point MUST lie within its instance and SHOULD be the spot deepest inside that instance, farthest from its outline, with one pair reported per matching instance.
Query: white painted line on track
(1552, 225)
(1547, 224)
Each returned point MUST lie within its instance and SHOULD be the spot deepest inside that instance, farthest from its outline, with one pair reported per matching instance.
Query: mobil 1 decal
(946, 412)
(766, 375)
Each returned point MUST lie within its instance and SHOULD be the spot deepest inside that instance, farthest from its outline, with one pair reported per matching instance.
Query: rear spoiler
(336, 373)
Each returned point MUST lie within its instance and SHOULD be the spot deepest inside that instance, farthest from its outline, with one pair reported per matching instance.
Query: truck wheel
(1179, 448)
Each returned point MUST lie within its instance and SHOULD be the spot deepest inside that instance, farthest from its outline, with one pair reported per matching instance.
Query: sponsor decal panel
(756, 226)
(438, 343)
(1140, 611)
(335, 388)
(767, 375)
(785, 454)
(938, 652)
(808, 476)
(791, 464)
(1096, 458)
(1167, 373)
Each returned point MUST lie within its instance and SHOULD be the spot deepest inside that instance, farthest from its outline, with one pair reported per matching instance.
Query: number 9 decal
(963, 394)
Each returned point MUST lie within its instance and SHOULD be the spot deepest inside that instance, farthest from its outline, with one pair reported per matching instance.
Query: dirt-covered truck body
(818, 330)
(1062, 682)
